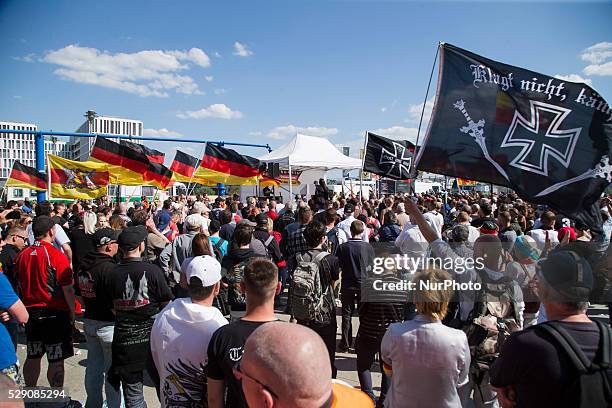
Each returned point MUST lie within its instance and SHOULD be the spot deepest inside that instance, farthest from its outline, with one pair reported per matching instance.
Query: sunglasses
(238, 373)
(23, 238)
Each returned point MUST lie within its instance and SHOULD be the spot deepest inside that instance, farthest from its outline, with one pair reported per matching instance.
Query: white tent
(310, 153)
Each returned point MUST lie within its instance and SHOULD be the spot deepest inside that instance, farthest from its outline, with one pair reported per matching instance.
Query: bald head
(292, 361)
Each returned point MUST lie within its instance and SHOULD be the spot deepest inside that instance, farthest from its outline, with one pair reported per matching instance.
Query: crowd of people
(190, 293)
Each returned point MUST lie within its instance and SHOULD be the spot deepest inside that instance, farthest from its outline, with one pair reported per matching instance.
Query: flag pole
(48, 178)
(365, 145)
(433, 67)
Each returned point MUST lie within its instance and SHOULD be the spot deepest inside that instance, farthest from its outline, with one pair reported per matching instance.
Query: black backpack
(217, 249)
(592, 386)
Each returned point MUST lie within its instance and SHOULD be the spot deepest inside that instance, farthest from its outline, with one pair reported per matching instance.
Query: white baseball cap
(194, 222)
(205, 267)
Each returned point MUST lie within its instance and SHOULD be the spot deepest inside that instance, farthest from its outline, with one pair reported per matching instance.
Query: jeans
(99, 337)
(367, 348)
(350, 302)
(484, 395)
(328, 334)
(132, 384)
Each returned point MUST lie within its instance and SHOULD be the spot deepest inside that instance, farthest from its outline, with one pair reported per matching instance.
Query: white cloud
(209, 78)
(574, 78)
(145, 73)
(26, 58)
(217, 110)
(600, 58)
(383, 109)
(414, 112)
(241, 50)
(601, 69)
(219, 91)
(283, 132)
(597, 53)
(216, 54)
(163, 132)
(398, 133)
(255, 133)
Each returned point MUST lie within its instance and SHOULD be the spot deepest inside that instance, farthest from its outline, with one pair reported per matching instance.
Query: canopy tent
(310, 153)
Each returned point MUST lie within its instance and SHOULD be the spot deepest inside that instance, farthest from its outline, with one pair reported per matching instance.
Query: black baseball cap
(131, 237)
(105, 235)
(261, 220)
(41, 225)
(569, 274)
(349, 208)
(459, 233)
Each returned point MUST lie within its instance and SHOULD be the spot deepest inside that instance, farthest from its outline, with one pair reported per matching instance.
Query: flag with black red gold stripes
(26, 177)
(221, 165)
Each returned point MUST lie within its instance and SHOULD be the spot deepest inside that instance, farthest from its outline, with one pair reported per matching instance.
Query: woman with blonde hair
(89, 222)
(428, 362)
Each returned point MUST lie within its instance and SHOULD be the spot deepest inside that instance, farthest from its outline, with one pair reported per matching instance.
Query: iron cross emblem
(398, 160)
(541, 138)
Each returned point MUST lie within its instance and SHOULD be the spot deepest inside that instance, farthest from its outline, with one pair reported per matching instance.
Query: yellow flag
(76, 180)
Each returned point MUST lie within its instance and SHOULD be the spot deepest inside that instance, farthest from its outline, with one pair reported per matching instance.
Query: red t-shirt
(41, 275)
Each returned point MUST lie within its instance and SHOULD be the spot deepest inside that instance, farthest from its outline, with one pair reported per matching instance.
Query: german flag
(158, 175)
(267, 181)
(127, 166)
(221, 165)
(153, 155)
(184, 166)
(26, 177)
(75, 179)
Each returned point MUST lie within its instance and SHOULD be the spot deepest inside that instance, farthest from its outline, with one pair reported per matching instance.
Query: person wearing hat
(263, 233)
(95, 270)
(138, 291)
(182, 331)
(349, 217)
(180, 249)
(533, 369)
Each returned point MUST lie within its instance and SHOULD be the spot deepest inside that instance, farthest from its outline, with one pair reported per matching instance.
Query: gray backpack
(309, 303)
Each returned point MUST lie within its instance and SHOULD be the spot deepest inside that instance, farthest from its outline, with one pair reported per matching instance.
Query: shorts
(49, 331)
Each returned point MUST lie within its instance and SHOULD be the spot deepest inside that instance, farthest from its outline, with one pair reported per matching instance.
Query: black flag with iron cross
(546, 138)
(389, 158)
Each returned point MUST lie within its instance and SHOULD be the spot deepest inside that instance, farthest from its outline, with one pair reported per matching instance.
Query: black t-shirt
(538, 368)
(95, 271)
(81, 245)
(224, 352)
(355, 257)
(7, 261)
(137, 289)
(477, 223)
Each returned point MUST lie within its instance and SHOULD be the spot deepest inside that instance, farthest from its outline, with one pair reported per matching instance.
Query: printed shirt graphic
(546, 138)
(179, 343)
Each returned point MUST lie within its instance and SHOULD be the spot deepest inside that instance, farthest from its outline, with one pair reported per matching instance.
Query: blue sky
(254, 71)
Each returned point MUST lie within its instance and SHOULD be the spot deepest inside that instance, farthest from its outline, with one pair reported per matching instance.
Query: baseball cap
(489, 227)
(193, 222)
(262, 219)
(205, 268)
(105, 235)
(349, 208)
(244, 221)
(569, 274)
(459, 233)
(41, 225)
(131, 237)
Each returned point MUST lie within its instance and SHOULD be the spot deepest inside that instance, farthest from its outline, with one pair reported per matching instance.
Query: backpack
(266, 245)
(333, 241)
(234, 276)
(592, 387)
(217, 249)
(493, 319)
(308, 301)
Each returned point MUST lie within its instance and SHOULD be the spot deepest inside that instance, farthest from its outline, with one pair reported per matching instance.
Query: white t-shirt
(346, 227)
(179, 344)
(539, 236)
(60, 236)
(436, 219)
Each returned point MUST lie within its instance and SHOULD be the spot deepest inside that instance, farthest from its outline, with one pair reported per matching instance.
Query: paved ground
(75, 369)
(345, 362)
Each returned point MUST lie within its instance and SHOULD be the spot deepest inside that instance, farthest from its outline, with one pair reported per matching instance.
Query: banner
(76, 180)
(126, 165)
(184, 166)
(388, 158)
(153, 155)
(26, 177)
(546, 138)
(226, 166)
